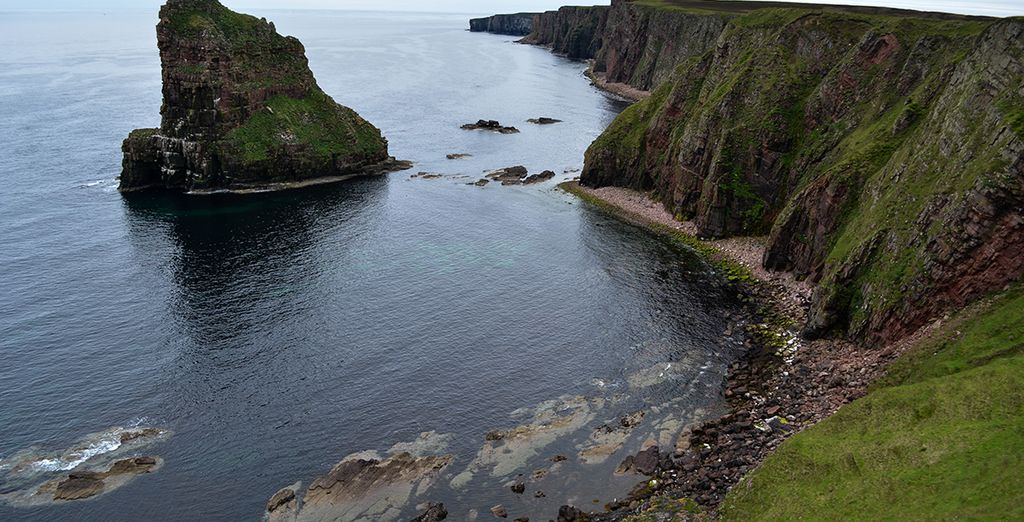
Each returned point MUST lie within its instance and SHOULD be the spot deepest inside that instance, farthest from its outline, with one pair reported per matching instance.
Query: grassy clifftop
(744, 6)
(315, 122)
(941, 438)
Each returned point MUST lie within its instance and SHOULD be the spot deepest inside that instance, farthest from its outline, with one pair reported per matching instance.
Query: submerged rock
(490, 125)
(606, 440)
(506, 451)
(361, 486)
(428, 443)
(426, 175)
(543, 121)
(458, 156)
(242, 111)
(499, 511)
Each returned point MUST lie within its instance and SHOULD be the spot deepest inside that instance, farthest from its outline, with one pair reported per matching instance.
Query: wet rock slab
(362, 486)
(517, 175)
(80, 485)
(543, 121)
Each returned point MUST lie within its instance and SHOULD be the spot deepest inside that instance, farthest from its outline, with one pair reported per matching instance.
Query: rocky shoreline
(780, 387)
(623, 90)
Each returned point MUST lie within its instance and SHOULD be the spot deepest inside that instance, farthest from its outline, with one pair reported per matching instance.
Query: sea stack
(242, 111)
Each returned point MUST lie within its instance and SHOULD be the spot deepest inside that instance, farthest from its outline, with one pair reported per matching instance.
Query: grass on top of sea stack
(941, 437)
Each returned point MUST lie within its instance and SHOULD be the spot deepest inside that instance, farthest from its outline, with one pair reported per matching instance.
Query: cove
(271, 335)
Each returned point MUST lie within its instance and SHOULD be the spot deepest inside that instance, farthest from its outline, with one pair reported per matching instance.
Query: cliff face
(882, 151)
(519, 24)
(241, 109)
(574, 32)
(630, 43)
(643, 45)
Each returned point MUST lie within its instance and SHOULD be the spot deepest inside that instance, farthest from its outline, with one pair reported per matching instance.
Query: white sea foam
(99, 183)
(73, 458)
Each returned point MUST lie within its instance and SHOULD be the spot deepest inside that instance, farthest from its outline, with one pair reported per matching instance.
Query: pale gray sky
(982, 7)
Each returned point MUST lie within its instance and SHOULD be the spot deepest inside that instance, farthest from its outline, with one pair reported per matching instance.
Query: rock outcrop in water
(490, 125)
(519, 24)
(241, 110)
(360, 487)
(81, 485)
(882, 150)
(95, 465)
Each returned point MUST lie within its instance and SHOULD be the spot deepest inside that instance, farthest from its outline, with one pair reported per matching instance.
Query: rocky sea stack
(242, 111)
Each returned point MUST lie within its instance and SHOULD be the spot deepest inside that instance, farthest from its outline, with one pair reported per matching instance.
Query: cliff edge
(241, 111)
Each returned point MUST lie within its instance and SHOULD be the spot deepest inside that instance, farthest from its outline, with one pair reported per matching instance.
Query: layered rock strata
(241, 110)
(881, 150)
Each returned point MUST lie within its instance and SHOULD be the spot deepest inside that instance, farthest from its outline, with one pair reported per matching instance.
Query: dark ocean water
(274, 334)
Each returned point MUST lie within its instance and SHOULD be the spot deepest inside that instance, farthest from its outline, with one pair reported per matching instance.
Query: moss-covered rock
(242, 110)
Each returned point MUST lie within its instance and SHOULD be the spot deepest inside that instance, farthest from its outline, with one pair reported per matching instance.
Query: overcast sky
(985, 7)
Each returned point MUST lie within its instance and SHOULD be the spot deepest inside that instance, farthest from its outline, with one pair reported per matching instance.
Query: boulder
(433, 513)
(646, 462)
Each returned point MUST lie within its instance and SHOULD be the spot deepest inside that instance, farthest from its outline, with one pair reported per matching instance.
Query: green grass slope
(940, 438)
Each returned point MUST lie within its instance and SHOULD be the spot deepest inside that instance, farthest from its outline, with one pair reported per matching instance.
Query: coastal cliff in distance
(881, 150)
(242, 111)
(519, 24)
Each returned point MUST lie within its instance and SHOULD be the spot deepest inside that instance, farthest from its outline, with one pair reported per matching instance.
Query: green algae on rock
(242, 111)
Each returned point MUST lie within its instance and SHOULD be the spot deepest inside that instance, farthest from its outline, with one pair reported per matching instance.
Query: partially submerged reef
(865, 168)
(91, 467)
(241, 111)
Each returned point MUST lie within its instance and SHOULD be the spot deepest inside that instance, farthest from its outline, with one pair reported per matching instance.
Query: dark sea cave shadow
(233, 255)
